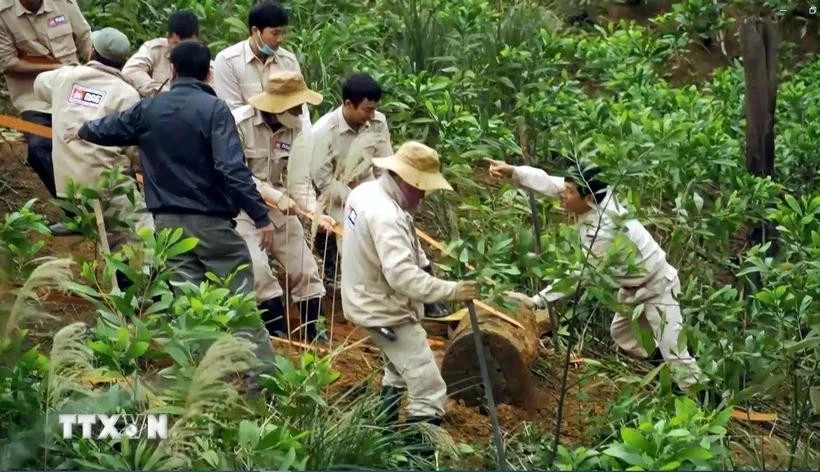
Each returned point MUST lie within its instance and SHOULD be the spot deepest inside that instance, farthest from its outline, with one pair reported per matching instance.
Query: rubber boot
(325, 246)
(391, 403)
(309, 311)
(273, 316)
(416, 439)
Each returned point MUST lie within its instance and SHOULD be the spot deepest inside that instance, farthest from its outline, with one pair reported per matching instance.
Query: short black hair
(183, 24)
(267, 14)
(359, 86)
(586, 180)
(95, 56)
(191, 58)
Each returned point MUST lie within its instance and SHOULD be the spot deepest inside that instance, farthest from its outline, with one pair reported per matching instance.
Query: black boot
(416, 439)
(325, 247)
(273, 316)
(391, 403)
(309, 311)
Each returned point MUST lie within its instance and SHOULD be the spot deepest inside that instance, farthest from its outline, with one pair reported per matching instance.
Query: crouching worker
(383, 285)
(83, 93)
(270, 127)
(591, 200)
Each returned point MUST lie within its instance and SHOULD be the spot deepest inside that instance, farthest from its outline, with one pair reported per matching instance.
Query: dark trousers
(39, 150)
(324, 246)
(221, 251)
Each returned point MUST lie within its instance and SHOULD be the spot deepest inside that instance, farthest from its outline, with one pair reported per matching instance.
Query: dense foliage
(472, 78)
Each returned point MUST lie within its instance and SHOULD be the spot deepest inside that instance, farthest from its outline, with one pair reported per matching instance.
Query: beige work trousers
(410, 364)
(136, 214)
(290, 249)
(662, 315)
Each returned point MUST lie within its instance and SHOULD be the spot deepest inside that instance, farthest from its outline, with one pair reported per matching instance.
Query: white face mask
(288, 120)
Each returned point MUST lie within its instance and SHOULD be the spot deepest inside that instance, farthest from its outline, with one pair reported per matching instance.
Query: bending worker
(273, 138)
(591, 200)
(383, 284)
(77, 94)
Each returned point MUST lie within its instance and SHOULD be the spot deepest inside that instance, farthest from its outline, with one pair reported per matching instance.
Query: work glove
(286, 205)
(524, 299)
(466, 290)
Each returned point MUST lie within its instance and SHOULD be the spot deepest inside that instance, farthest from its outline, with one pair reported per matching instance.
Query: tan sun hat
(416, 164)
(284, 91)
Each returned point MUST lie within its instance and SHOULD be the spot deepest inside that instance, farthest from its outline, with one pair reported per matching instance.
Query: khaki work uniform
(268, 154)
(149, 70)
(657, 289)
(83, 93)
(383, 285)
(334, 171)
(239, 74)
(57, 33)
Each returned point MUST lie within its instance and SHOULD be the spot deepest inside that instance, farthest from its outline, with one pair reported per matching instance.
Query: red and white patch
(58, 20)
(281, 145)
(86, 96)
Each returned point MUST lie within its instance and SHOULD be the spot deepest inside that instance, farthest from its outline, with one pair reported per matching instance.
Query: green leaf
(181, 247)
(137, 349)
(634, 439)
(619, 451)
(248, 434)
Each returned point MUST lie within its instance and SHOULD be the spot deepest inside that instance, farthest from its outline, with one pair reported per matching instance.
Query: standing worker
(194, 174)
(38, 36)
(77, 94)
(241, 70)
(149, 70)
(273, 137)
(345, 141)
(592, 201)
(383, 284)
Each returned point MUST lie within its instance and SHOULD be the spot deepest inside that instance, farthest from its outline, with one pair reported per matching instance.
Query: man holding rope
(275, 142)
(587, 197)
(383, 283)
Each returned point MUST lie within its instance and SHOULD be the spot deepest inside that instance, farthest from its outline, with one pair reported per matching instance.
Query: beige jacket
(57, 33)
(382, 281)
(149, 69)
(75, 95)
(334, 168)
(239, 74)
(270, 155)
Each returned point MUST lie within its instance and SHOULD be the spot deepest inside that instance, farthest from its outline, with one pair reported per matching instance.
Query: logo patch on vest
(281, 145)
(85, 96)
(57, 21)
(352, 216)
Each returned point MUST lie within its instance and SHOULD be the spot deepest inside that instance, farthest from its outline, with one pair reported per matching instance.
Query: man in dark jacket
(193, 168)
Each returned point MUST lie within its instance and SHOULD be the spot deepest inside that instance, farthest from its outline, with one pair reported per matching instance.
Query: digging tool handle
(488, 388)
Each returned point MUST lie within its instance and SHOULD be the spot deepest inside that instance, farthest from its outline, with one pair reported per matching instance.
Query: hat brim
(272, 103)
(426, 181)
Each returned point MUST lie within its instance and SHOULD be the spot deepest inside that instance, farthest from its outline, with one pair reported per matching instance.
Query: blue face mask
(264, 48)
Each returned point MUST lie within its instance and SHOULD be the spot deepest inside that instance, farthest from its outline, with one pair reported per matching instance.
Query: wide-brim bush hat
(284, 90)
(416, 164)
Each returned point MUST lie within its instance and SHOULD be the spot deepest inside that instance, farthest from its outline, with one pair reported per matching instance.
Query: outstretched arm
(117, 129)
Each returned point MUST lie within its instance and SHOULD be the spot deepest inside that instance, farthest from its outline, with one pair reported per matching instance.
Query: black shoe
(436, 310)
(416, 439)
(309, 312)
(273, 315)
(391, 403)
(59, 229)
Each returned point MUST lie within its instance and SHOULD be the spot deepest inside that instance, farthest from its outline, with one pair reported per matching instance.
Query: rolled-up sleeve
(401, 271)
(537, 180)
(138, 69)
